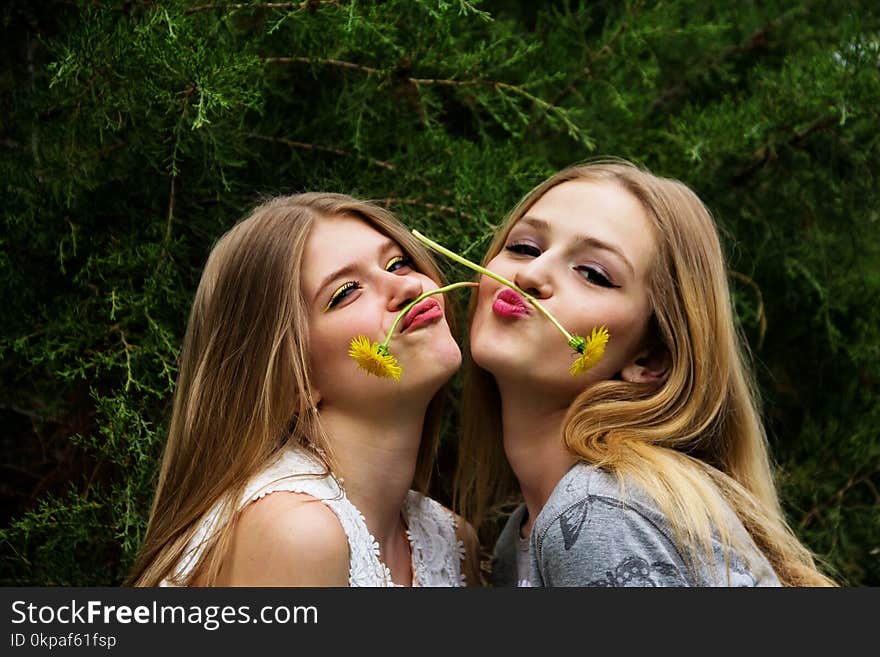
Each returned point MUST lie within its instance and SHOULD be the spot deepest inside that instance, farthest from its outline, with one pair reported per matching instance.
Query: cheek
(501, 265)
(490, 287)
(321, 356)
(428, 283)
(626, 326)
(487, 291)
(328, 343)
(325, 337)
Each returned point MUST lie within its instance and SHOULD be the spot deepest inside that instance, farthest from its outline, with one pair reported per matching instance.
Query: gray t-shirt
(589, 535)
(523, 562)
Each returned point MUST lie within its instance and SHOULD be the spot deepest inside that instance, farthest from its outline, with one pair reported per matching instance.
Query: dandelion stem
(574, 341)
(427, 294)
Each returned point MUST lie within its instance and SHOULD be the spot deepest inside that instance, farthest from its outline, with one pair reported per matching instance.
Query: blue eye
(595, 275)
(524, 248)
(341, 293)
(398, 262)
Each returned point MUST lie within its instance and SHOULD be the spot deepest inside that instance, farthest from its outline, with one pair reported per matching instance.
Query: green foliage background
(132, 134)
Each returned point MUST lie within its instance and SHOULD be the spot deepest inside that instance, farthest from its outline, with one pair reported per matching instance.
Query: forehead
(601, 210)
(336, 241)
(343, 232)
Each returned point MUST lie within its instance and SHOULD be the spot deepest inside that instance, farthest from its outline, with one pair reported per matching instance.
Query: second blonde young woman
(286, 465)
(652, 468)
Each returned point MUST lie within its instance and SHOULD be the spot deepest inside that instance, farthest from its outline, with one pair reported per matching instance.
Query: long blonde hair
(243, 389)
(694, 441)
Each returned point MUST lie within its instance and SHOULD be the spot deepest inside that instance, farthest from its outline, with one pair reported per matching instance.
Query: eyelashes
(592, 275)
(342, 292)
(402, 261)
(396, 263)
(524, 248)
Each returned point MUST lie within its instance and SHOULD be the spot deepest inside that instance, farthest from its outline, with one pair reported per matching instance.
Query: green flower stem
(577, 343)
(441, 290)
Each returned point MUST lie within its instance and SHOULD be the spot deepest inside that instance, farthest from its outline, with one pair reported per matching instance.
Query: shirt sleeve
(601, 541)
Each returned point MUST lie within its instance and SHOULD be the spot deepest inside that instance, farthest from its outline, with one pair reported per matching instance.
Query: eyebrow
(541, 224)
(350, 268)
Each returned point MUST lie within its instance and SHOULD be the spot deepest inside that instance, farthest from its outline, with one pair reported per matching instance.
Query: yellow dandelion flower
(374, 358)
(591, 352)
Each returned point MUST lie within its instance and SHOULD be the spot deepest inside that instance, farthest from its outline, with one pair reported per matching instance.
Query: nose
(402, 290)
(533, 277)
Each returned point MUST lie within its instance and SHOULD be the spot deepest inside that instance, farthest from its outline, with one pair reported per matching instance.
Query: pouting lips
(510, 304)
(423, 311)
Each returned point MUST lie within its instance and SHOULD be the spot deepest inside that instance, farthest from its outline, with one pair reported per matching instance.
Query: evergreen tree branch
(573, 129)
(755, 43)
(299, 6)
(442, 209)
(837, 498)
(32, 415)
(762, 317)
(767, 152)
(325, 62)
(382, 164)
(35, 136)
(758, 41)
(128, 349)
(169, 223)
(21, 471)
(587, 71)
(333, 150)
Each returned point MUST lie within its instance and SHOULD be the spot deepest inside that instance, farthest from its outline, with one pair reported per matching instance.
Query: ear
(647, 366)
(314, 398)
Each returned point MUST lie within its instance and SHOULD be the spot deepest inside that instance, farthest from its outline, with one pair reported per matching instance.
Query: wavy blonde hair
(693, 441)
(243, 389)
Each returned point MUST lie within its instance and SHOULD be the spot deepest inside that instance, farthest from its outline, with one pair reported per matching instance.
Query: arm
(287, 539)
(602, 542)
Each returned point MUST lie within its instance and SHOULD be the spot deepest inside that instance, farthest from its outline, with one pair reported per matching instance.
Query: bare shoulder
(287, 539)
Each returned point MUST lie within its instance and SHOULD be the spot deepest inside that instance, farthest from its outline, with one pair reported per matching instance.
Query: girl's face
(355, 281)
(584, 250)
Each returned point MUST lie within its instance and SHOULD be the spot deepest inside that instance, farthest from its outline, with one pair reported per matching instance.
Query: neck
(376, 458)
(532, 430)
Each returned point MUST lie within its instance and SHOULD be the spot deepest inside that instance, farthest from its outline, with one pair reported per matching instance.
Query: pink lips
(422, 313)
(510, 304)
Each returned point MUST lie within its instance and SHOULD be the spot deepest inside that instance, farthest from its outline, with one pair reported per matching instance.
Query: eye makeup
(523, 248)
(593, 274)
(394, 264)
(401, 260)
(341, 293)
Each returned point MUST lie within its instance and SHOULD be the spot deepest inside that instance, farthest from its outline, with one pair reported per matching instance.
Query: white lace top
(436, 551)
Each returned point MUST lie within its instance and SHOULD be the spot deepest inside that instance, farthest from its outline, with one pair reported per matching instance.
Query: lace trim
(365, 569)
(436, 551)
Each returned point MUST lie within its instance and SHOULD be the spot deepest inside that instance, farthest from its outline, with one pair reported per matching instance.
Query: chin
(445, 359)
(502, 367)
(495, 355)
(433, 365)
(507, 364)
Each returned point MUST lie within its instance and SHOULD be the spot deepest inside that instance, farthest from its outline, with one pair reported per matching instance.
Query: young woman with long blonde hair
(651, 468)
(286, 465)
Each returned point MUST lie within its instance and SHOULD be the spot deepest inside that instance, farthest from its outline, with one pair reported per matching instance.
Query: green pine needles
(133, 134)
